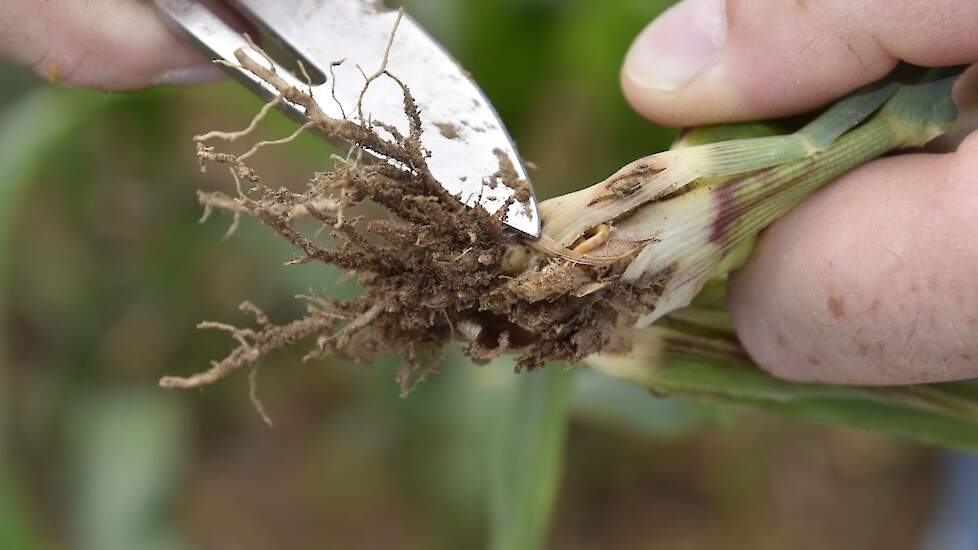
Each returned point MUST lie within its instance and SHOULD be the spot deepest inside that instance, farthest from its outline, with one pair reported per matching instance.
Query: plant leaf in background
(607, 402)
(123, 504)
(29, 129)
(526, 459)
(124, 446)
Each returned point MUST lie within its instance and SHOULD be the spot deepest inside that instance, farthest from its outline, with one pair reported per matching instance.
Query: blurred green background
(106, 273)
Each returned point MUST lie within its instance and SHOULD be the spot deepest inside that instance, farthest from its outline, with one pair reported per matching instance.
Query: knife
(461, 130)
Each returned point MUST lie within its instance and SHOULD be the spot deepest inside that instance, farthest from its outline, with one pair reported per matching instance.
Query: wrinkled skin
(872, 281)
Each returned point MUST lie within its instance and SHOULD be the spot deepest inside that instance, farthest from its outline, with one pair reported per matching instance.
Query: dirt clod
(448, 129)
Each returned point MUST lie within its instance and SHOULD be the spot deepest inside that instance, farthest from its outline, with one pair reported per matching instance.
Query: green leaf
(125, 459)
(924, 416)
(684, 359)
(603, 401)
(526, 460)
(30, 129)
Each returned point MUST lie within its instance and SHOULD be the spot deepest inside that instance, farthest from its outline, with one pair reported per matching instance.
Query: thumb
(109, 44)
(706, 61)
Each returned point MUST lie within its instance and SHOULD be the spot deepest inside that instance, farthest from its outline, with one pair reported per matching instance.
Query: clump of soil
(434, 272)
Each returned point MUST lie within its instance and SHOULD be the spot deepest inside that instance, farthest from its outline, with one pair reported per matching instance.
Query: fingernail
(678, 46)
(194, 74)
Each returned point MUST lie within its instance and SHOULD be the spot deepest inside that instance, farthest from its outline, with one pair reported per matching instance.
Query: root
(368, 80)
(234, 136)
(256, 147)
(433, 271)
(255, 400)
(253, 346)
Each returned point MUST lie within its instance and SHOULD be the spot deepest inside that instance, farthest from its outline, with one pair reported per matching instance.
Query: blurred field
(107, 272)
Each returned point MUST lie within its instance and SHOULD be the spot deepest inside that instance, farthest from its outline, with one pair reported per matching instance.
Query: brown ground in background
(765, 484)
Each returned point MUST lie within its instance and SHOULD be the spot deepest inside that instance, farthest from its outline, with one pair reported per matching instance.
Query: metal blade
(461, 130)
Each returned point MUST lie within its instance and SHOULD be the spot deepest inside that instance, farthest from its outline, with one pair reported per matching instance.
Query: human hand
(874, 279)
(108, 44)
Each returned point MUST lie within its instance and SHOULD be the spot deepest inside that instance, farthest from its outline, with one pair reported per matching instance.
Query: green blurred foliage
(107, 272)
(526, 458)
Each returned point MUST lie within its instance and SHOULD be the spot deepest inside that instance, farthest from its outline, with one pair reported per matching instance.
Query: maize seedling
(613, 257)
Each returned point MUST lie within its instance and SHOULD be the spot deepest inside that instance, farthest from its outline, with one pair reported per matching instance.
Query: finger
(110, 44)
(706, 61)
(874, 280)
